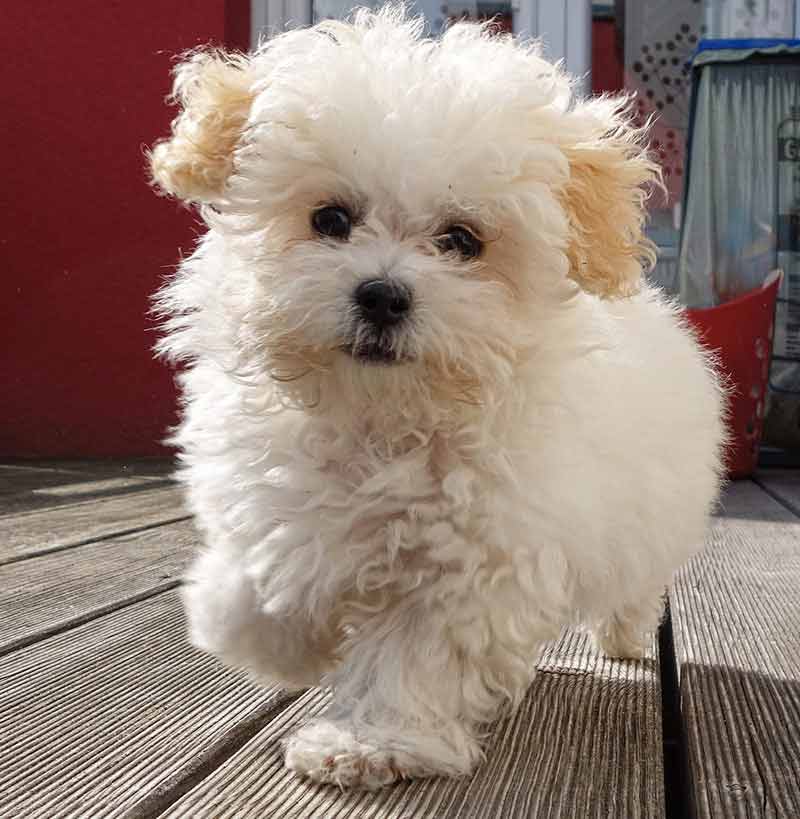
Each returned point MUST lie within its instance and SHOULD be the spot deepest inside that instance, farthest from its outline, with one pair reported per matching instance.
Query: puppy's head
(396, 210)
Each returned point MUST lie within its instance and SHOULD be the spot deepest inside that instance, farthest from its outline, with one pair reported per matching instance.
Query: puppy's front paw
(329, 752)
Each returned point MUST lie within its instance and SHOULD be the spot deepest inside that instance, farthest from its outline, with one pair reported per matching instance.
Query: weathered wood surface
(97, 467)
(106, 719)
(29, 485)
(47, 594)
(783, 485)
(19, 479)
(37, 532)
(586, 742)
(736, 623)
(111, 713)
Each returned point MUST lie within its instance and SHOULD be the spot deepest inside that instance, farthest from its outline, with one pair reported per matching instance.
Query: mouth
(374, 351)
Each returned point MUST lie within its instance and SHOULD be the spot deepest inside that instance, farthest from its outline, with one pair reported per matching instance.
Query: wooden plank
(586, 742)
(98, 486)
(151, 465)
(736, 627)
(31, 485)
(101, 720)
(32, 533)
(17, 483)
(54, 496)
(47, 594)
(783, 485)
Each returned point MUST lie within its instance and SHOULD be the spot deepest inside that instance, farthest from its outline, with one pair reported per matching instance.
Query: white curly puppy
(432, 412)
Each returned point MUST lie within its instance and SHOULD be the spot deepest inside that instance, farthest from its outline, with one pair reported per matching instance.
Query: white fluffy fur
(546, 449)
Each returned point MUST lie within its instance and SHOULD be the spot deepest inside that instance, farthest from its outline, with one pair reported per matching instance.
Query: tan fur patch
(213, 91)
(604, 199)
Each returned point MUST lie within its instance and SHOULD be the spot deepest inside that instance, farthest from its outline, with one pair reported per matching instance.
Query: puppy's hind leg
(625, 633)
(227, 619)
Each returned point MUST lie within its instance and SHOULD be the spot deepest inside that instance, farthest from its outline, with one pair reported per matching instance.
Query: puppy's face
(386, 229)
(403, 210)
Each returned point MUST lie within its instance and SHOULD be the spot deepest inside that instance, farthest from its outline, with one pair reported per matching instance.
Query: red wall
(83, 240)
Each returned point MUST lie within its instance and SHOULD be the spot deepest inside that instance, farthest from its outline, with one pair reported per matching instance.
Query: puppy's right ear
(213, 90)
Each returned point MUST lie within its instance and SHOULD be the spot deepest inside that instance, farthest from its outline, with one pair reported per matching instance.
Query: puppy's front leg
(405, 705)
(226, 619)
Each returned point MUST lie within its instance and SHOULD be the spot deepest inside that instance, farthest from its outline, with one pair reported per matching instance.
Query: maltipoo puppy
(433, 414)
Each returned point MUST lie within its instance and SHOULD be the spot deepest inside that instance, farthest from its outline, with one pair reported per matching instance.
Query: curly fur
(213, 90)
(543, 452)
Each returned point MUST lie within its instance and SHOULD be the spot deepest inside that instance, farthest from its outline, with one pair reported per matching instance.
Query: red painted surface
(607, 69)
(83, 240)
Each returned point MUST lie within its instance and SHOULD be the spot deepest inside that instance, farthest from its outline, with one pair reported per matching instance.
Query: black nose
(382, 302)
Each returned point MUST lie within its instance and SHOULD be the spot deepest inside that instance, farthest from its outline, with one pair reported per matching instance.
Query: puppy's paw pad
(327, 753)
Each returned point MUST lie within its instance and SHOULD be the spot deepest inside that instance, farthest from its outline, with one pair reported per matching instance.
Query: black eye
(333, 221)
(461, 240)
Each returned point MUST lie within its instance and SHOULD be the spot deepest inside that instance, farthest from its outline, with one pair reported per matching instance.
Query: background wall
(83, 240)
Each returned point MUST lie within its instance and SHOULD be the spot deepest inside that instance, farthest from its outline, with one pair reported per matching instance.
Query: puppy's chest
(404, 501)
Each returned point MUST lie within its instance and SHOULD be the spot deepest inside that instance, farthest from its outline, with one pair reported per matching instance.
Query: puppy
(433, 414)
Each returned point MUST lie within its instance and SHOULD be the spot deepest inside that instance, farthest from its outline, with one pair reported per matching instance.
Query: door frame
(567, 26)
(269, 17)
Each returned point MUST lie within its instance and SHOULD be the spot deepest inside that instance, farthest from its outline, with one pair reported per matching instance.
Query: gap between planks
(782, 485)
(49, 594)
(585, 742)
(573, 795)
(737, 639)
(40, 532)
(106, 718)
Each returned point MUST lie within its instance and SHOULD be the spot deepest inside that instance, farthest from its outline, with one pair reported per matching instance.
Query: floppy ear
(609, 181)
(212, 89)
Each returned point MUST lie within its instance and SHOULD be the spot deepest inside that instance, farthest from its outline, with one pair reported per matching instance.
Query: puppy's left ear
(213, 91)
(610, 178)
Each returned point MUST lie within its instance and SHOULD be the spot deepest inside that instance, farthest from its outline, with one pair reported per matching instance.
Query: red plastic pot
(740, 332)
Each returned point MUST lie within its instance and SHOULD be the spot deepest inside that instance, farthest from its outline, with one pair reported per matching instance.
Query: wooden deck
(105, 710)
